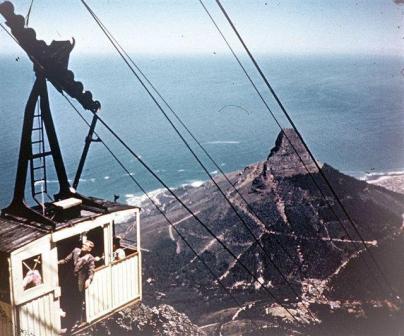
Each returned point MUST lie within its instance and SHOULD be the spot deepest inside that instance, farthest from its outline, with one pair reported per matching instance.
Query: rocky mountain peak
(288, 157)
(301, 233)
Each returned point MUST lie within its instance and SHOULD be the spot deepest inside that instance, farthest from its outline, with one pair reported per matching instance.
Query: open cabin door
(35, 289)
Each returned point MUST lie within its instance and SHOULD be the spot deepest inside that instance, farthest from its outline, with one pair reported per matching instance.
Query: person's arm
(91, 271)
(67, 259)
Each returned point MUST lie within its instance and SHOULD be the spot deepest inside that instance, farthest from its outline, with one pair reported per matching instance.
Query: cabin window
(124, 240)
(32, 272)
(97, 237)
(122, 248)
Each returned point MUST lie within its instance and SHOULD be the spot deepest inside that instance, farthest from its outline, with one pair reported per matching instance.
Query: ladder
(39, 185)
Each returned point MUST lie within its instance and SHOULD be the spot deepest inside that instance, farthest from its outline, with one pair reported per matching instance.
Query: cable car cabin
(37, 294)
(62, 267)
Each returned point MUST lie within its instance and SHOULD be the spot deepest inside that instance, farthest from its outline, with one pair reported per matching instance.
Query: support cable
(262, 285)
(138, 158)
(29, 13)
(276, 120)
(297, 263)
(143, 163)
(306, 147)
(290, 143)
(9, 34)
(277, 268)
(215, 277)
(276, 239)
(279, 125)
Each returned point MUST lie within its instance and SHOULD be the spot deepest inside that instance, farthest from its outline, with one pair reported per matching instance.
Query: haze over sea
(348, 108)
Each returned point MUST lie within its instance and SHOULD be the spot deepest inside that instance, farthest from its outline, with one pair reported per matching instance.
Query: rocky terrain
(333, 286)
(145, 321)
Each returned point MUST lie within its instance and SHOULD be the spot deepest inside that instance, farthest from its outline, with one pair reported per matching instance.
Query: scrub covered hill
(303, 232)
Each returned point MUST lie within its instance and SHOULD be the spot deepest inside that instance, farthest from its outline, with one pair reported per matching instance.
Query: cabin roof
(14, 234)
(17, 233)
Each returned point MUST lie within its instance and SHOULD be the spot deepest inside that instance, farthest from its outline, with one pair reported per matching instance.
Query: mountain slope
(302, 231)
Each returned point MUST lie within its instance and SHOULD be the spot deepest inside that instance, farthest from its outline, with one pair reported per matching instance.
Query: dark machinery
(50, 64)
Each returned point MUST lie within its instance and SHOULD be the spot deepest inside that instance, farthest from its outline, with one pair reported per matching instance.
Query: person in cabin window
(119, 252)
(32, 279)
(83, 271)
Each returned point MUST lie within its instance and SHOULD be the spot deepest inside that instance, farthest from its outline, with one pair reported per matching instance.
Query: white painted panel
(38, 317)
(112, 287)
(97, 295)
(125, 275)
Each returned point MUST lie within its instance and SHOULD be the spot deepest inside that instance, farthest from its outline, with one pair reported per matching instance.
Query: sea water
(349, 109)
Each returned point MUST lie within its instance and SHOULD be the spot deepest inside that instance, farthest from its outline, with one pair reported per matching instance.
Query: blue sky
(182, 27)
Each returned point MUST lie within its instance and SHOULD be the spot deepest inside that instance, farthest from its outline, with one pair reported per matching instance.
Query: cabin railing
(113, 286)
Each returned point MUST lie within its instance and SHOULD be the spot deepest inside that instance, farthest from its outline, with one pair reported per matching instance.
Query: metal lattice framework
(50, 65)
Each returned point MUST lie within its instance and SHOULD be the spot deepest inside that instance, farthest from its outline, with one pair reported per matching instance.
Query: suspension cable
(29, 13)
(41, 66)
(280, 127)
(330, 207)
(290, 143)
(354, 226)
(250, 209)
(215, 277)
(269, 258)
(151, 171)
(297, 263)
(138, 158)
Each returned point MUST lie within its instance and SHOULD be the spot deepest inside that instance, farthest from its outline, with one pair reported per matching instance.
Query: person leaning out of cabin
(84, 264)
(83, 269)
(119, 252)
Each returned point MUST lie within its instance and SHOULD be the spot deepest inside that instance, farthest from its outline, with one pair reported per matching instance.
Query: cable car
(35, 292)
(44, 247)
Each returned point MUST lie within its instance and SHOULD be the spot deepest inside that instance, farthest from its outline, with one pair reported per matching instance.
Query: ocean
(349, 109)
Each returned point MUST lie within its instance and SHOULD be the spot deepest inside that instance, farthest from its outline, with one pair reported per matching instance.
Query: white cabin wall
(36, 309)
(48, 254)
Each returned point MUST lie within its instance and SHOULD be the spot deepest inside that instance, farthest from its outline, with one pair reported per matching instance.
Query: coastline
(393, 181)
